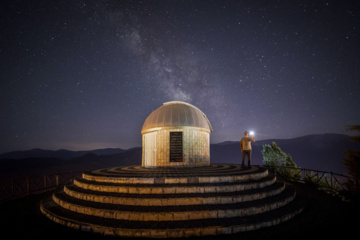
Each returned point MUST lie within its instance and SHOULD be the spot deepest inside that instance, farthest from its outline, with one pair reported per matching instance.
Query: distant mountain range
(320, 152)
(59, 154)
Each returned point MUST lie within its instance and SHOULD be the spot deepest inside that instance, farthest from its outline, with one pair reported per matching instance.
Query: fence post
(12, 187)
(27, 186)
(331, 179)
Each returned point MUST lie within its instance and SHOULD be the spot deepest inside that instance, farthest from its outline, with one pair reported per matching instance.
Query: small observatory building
(177, 134)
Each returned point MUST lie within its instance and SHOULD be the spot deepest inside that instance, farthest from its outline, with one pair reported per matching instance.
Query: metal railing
(328, 181)
(15, 188)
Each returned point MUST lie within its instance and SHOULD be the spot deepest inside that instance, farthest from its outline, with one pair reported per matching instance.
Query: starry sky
(85, 74)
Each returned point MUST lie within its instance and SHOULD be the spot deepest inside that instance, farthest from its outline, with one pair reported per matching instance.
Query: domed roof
(176, 114)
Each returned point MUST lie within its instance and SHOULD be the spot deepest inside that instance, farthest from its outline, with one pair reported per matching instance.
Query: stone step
(170, 172)
(173, 202)
(176, 188)
(211, 174)
(173, 213)
(171, 229)
(166, 199)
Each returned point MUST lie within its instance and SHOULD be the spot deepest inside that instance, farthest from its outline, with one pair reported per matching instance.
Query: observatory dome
(177, 134)
(176, 114)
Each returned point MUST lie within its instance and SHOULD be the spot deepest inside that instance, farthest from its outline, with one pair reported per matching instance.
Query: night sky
(83, 75)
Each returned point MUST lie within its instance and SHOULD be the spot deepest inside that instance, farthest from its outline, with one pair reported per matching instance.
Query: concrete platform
(173, 202)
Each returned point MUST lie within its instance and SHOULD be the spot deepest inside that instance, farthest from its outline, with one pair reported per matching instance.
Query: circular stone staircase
(173, 202)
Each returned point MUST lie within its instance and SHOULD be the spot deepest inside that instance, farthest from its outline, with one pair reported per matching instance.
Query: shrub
(279, 162)
(352, 163)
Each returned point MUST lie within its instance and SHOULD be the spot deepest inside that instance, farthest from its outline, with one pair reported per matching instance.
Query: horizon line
(94, 149)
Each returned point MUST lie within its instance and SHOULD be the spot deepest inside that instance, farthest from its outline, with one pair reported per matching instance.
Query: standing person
(245, 145)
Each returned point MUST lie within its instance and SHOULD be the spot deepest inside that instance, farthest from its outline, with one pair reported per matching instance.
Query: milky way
(169, 68)
(85, 74)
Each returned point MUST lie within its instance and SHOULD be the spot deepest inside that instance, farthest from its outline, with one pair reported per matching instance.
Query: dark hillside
(17, 168)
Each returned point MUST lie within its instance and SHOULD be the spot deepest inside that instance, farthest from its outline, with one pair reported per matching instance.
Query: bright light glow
(252, 133)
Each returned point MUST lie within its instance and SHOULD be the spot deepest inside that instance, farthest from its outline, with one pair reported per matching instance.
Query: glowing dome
(176, 114)
(176, 134)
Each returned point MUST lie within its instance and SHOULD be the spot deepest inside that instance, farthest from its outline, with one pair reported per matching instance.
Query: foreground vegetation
(346, 187)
